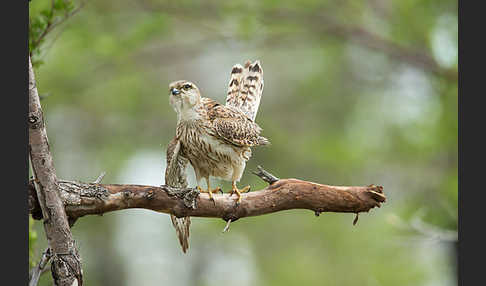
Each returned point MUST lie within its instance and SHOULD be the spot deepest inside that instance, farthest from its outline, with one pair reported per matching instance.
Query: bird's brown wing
(176, 164)
(245, 88)
(175, 177)
(231, 125)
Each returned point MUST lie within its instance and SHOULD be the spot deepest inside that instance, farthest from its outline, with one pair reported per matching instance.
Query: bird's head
(183, 95)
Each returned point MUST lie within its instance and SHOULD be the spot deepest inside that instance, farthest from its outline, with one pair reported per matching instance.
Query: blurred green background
(356, 93)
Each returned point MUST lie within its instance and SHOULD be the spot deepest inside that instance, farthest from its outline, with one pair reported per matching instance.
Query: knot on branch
(230, 216)
(34, 121)
(66, 267)
(376, 193)
(149, 195)
(187, 195)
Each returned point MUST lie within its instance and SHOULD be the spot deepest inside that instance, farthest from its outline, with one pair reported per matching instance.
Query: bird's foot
(210, 192)
(238, 193)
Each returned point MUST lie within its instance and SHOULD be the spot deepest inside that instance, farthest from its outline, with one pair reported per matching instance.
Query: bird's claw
(238, 201)
(238, 193)
(210, 193)
(245, 189)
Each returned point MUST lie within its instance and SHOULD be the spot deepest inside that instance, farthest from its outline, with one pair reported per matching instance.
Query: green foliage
(32, 240)
(42, 19)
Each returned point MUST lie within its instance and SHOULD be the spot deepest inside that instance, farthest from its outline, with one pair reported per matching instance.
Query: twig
(100, 178)
(266, 176)
(356, 219)
(40, 268)
(51, 25)
(44, 96)
(226, 228)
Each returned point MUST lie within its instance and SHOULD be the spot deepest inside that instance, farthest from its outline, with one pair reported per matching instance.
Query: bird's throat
(188, 114)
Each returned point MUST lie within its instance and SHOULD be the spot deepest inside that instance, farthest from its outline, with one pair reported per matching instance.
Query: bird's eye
(187, 86)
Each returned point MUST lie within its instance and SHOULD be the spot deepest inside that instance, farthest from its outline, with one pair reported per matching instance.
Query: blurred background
(356, 93)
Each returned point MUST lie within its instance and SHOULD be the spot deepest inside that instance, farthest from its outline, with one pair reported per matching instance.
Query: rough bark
(66, 265)
(82, 199)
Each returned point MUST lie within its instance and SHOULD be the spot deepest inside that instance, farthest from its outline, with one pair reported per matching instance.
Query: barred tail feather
(181, 226)
(234, 85)
(246, 88)
(263, 141)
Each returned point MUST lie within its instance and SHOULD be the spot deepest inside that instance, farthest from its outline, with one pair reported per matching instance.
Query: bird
(216, 139)
(223, 134)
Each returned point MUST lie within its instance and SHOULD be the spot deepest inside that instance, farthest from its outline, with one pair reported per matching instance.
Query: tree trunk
(65, 265)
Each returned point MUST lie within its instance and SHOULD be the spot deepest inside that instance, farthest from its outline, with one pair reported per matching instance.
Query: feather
(175, 177)
(245, 88)
(181, 226)
(232, 126)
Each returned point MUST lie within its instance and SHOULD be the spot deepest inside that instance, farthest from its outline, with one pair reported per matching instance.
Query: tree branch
(66, 265)
(82, 199)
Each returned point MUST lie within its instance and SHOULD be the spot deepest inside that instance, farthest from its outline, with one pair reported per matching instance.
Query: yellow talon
(238, 192)
(209, 191)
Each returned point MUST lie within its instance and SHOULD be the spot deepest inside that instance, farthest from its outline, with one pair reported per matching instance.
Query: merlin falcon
(215, 138)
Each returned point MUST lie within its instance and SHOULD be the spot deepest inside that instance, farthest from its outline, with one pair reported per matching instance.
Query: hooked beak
(175, 91)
